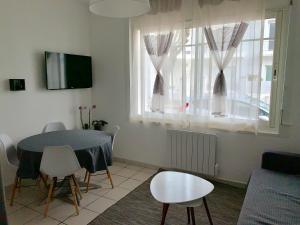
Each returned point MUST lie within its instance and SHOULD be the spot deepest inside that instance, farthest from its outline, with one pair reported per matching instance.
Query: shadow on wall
(5, 85)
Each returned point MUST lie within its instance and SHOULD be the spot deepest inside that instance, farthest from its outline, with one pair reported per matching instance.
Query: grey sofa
(273, 192)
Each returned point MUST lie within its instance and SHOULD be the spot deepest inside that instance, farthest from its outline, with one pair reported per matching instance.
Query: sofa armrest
(281, 162)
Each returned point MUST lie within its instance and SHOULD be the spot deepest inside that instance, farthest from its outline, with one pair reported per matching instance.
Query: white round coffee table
(170, 187)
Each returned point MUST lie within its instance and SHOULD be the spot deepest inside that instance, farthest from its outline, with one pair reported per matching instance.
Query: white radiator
(192, 151)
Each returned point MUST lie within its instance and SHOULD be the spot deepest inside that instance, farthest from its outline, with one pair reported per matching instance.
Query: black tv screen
(65, 71)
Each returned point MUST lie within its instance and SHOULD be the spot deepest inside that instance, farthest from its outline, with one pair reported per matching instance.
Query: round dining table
(92, 148)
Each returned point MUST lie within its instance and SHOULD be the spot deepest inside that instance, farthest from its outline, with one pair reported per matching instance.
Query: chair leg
(74, 197)
(20, 183)
(110, 178)
(85, 176)
(50, 193)
(38, 182)
(54, 186)
(77, 186)
(88, 182)
(13, 193)
(44, 179)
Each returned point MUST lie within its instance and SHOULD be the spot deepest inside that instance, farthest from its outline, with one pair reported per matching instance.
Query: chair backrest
(9, 151)
(59, 161)
(114, 131)
(2, 200)
(54, 126)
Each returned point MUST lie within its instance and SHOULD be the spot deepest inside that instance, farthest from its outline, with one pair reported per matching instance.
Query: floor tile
(29, 195)
(12, 209)
(141, 176)
(85, 216)
(40, 206)
(101, 205)
(41, 220)
(130, 184)
(88, 198)
(100, 184)
(117, 180)
(99, 177)
(22, 216)
(134, 167)
(100, 191)
(115, 169)
(117, 193)
(62, 212)
(125, 172)
(149, 170)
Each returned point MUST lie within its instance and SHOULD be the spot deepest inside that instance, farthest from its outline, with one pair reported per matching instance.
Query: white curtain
(222, 43)
(214, 44)
(158, 48)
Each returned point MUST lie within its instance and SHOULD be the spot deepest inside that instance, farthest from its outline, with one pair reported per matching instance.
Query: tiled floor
(29, 203)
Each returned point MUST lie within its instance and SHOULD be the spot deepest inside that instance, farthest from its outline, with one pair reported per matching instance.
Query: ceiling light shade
(119, 8)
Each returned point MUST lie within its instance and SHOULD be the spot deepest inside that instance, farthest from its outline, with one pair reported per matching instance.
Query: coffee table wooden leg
(193, 216)
(188, 215)
(207, 211)
(164, 213)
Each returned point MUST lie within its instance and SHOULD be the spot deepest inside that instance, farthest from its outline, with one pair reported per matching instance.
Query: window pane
(267, 67)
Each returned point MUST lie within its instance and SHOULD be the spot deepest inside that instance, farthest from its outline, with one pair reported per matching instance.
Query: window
(190, 83)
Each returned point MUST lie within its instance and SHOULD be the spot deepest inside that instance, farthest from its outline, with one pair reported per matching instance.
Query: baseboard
(217, 179)
(136, 163)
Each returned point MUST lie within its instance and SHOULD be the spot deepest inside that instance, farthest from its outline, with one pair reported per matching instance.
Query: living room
(200, 87)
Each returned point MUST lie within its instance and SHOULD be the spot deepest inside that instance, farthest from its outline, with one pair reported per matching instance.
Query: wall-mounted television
(66, 71)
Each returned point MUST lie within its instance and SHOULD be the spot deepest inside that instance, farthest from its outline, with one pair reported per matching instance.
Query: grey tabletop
(93, 149)
(77, 139)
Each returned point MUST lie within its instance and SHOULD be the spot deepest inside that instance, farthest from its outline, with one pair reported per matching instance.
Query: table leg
(193, 216)
(207, 212)
(188, 215)
(164, 213)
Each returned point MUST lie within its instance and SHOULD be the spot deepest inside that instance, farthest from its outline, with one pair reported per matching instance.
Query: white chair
(10, 157)
(2, 200)
(54, 126)
(114, 131)
(10, 151)
(60, 162)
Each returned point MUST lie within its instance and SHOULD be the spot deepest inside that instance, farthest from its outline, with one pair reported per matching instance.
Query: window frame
(272, 125)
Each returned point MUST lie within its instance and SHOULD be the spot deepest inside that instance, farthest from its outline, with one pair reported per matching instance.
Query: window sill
(262, 130)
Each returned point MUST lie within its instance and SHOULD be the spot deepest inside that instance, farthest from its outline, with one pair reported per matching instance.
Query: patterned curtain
(158, 48)
(222, 43)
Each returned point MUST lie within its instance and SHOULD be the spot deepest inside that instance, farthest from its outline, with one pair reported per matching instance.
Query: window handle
(275, 74)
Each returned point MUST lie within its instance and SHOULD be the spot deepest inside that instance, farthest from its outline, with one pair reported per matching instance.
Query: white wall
(238, 154)
(27, 29)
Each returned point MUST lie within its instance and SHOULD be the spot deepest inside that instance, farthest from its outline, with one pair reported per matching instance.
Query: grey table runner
(93, 150)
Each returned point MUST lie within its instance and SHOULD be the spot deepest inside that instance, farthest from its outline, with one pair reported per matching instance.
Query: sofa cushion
(272, 198)
(283, 162)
